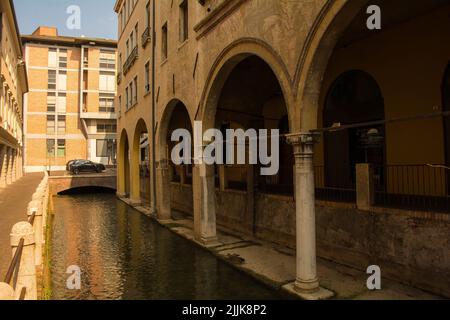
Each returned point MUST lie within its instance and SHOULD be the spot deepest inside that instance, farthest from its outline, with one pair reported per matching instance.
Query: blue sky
(98, 19)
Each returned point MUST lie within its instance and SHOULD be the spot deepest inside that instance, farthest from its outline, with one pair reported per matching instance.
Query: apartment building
(13, 85)
(69, 110)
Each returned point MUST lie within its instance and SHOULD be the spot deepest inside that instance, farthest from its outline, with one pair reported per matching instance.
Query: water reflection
(125, 255)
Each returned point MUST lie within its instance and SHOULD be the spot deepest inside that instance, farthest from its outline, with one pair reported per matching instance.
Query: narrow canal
(125, 255)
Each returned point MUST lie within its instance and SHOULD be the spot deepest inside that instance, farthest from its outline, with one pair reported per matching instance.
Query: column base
(318, 294)
(208, 242)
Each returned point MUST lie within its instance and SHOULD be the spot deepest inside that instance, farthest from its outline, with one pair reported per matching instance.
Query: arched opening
(175, 181)
(124, 166)
(354, 98)
(446, 108)
(141, 164)
(370, 66)
(407, 57)
(247, 95)
(86, 190)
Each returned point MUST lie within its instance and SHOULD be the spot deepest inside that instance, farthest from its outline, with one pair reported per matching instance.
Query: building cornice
(216, 16)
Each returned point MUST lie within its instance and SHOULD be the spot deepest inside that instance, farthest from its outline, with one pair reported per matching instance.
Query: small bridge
(65, 182)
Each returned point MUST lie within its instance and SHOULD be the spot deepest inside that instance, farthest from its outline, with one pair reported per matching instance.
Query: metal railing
(20, 281)
(339, 193)
(145, 37)
(414, 187)
(130, 60)
(13, 269)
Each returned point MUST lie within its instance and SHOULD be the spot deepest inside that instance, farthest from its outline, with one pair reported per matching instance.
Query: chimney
(46, 31)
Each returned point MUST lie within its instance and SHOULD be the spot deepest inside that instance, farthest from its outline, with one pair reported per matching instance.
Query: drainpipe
(153, 107)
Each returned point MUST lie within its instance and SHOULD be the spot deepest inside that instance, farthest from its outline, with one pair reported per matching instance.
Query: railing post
(26, 276)
(6, 292)
(365, 186)
(35, 208)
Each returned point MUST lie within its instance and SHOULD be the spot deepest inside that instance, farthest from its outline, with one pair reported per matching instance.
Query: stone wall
(181, 198)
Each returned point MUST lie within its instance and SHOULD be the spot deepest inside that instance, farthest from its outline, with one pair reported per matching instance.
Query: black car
(77, 166)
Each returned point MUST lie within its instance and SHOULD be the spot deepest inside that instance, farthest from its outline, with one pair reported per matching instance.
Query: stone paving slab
(14, 201)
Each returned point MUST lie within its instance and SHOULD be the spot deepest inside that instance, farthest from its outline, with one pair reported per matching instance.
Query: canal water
(123, 254)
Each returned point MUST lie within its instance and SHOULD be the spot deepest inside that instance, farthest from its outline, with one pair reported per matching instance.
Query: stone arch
(163, 161)
(326, 31)
(137, 195)
(123, 174)
(225, 63)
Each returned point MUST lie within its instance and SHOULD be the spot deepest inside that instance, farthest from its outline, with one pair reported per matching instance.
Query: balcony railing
(130, 60)
(146, 37)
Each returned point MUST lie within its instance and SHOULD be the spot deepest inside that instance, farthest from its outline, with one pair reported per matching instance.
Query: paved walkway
(14, 201)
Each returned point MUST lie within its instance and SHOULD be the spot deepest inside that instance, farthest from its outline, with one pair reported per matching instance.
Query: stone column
(365, 186)
(204, 204)
(163, 190)
(14, 166)
(36, 208)
(26, 276)
(307, 282)
(182, 174)
(6, 292)
(9, 166)
(223, 177)
(3, 166)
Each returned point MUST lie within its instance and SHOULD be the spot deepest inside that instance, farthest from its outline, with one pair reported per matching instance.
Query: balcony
(130, 60)
(146, 37)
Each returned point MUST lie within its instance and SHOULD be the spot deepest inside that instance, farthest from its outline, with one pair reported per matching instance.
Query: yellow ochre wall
(408, 61)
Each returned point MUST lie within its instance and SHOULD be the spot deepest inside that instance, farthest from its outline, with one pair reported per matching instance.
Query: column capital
(308, 138)
(303, 143)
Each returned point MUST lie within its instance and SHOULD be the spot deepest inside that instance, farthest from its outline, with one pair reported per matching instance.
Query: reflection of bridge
(64, 181)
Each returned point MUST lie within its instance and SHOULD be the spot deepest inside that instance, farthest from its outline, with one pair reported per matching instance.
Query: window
(147, 77)
(147, 16)
(131, 41)
(131, 94)
(105, 148)
(62, 80)
(63, 58)
(164, 45)
(61, 152)
(106, 127)
(107, 81)
(61, 103)
(135, 89)
(61, 124)
(52, 54)
(50, 147)
(120, 105)
(106, 103)
(184, 21)
(122, 25)
(51, 102)
(120, 63)
(52, 79)
(126, 96)
(128, 48)
(107, 59)
(50, 124)
(136, 32)
(86, 57)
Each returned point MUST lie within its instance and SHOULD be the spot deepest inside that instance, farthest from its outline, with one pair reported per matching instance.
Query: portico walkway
(14, 201)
